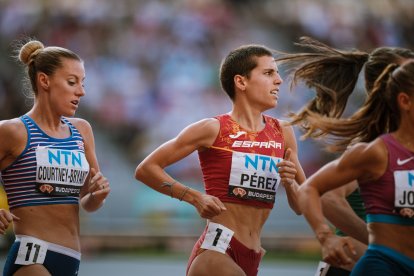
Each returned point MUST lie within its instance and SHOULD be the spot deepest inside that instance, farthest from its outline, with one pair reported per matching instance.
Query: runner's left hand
(99, 185)
(287, 169)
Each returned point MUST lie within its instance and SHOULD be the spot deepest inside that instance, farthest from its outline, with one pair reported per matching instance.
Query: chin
(69, 114)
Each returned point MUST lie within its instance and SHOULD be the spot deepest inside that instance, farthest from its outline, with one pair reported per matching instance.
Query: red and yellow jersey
(240, 166)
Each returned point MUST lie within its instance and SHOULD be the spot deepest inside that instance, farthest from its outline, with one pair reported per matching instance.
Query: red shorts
(246, 258)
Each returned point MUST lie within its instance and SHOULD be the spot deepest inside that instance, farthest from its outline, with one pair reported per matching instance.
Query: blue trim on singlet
(393, 253)
(391, 219)
(380, 260)
(19, 178)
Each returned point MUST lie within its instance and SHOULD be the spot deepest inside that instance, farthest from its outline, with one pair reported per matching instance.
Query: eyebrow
(270, 70)
(76, 77)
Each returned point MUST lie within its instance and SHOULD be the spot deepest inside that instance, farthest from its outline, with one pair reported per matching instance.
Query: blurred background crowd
(152, 68)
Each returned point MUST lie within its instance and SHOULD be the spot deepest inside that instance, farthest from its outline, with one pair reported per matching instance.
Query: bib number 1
(31, 251)
(217, 238)
(322, 269)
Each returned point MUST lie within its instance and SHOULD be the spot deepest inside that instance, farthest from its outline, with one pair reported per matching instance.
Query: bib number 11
(217, 238)
(31, 251)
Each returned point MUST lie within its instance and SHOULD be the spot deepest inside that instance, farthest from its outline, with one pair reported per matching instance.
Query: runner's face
(263, 84)
(67, 87)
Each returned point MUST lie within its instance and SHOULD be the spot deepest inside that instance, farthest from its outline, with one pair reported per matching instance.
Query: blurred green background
(152, 68)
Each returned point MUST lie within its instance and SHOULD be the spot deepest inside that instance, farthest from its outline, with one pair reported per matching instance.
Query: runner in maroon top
(384, 169)
(333, 75)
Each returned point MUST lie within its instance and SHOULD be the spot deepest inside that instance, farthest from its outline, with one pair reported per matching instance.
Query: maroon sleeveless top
(394, 189)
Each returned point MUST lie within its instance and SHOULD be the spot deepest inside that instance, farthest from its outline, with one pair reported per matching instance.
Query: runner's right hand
(209, 206)
(5, 219)
(337, 250)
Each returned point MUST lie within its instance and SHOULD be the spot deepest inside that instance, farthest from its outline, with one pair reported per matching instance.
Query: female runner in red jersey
(244, 156)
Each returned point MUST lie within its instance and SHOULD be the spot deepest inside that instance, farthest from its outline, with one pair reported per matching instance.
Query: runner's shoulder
(11, 128)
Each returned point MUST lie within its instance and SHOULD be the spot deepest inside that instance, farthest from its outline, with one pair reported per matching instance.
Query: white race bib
(60, 172)
(322, 269)
(404, 189)
(31, 251)
(217, 238)
(254, 176)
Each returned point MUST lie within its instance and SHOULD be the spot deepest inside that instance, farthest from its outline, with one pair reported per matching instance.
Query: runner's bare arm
(338, 211)
(291, 169)
(150, 171)
(361, 162)
(13, 137)
(96, 187)
(13, 140)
